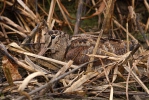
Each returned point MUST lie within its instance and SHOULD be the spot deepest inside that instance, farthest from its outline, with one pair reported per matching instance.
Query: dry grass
(22, 36)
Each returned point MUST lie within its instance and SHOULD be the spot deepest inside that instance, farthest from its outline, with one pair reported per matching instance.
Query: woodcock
(64, 47)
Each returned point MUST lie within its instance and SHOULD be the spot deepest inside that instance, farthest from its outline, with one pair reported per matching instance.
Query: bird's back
(76, 47)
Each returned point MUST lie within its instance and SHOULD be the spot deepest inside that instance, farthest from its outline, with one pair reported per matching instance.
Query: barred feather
(76, 47)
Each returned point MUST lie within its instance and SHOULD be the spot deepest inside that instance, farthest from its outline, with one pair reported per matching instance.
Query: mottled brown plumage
(58, 45)
(77, 46)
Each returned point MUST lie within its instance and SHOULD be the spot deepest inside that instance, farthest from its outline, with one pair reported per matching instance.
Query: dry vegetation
(25, 74)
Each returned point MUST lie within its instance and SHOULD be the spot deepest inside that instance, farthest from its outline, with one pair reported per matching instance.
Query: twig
(137, 79)
(32, 34)
(127, 37)
(146, 5)
(26, 8)
(147, 25)
(14, 61)
(51, 11)
(127, 81)
(78, 17)
(10, 22)
(15, 49)
(4, 51)
(4, 5)
(100, 10)
(52, 81)
(20, 33)
(119, 13)
(89, 67)
(141, 30)
(5, 33)
(119, 25)
(58, 2)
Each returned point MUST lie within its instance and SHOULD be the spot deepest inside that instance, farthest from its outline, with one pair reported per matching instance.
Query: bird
(64, 47)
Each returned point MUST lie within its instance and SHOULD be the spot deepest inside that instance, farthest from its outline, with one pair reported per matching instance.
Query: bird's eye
(53, 37)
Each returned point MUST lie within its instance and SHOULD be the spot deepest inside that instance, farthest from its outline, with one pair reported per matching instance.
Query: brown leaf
(100, 10)
(10, 71)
